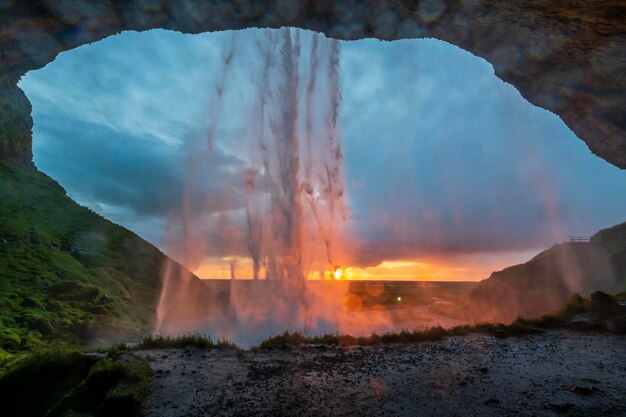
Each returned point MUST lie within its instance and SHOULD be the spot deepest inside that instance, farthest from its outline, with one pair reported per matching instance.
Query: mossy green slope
(66, 273)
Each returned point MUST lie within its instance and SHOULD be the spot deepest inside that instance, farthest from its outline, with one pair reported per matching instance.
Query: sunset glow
(474, 268)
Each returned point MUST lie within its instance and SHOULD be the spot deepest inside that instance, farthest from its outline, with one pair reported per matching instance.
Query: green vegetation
(560, 319)
(192, 340)
(66, 273)
(65, 383)
(429, 335)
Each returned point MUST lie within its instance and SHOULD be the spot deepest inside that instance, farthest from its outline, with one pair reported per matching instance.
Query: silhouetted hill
(544, 283)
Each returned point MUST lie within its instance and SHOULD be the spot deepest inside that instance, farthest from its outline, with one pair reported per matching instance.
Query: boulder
(604, 306)
(616, 324)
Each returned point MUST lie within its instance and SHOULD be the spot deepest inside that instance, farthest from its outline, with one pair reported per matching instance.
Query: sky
(450, 174)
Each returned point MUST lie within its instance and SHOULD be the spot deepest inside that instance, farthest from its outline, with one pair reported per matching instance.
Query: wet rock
(490, 377)
(561, 407)
(582, 390)
(604, 306)
(582, 322)
(616, 324)
(95, 355)
(500, 333)
(563, 56)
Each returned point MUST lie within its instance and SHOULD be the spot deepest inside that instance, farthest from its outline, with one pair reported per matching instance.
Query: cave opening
(449, 173)
(439, 170)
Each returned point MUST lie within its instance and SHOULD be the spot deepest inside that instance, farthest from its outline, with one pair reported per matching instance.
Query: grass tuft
(520, 327)
(190, 340)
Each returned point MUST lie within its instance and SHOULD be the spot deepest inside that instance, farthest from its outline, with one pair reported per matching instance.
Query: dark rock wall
(15, 125)
(566, 56)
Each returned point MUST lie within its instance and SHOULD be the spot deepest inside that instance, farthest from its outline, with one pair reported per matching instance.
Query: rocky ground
(554, 373)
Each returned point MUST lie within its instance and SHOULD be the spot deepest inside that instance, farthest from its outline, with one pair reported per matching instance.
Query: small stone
(561, 407)
(582, 390)
(616, 324)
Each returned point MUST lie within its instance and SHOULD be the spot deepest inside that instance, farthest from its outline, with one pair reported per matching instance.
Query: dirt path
(472, 375)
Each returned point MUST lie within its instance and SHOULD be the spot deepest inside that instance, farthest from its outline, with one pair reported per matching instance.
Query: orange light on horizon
(435, 269)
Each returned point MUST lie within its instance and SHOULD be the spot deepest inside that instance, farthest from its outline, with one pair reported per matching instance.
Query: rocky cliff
(566, 56)
(544, 283)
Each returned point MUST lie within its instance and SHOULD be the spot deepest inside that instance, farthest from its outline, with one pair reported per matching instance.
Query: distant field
(375, 295)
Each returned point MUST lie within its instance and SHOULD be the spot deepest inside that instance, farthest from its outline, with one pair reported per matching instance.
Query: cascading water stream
(293, 196)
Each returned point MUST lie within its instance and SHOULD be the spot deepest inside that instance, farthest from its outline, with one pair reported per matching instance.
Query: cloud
(450, 159)
(441, 157)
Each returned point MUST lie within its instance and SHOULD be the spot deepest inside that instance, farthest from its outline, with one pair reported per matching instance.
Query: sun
(338, 273)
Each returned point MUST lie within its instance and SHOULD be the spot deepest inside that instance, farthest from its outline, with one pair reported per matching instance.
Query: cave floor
(476, 375)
